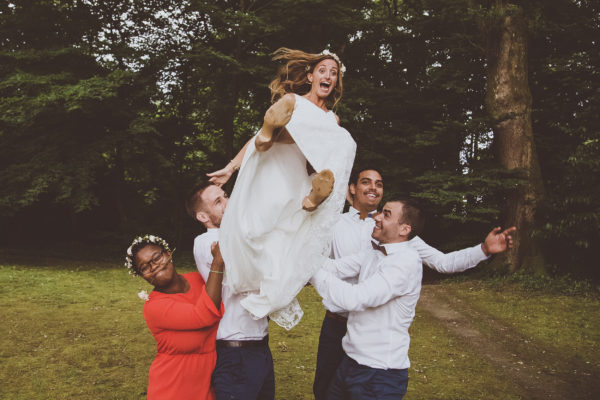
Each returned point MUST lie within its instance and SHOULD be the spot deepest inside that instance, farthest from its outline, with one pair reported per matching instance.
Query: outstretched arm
(277, 116)
(461, 260)
(221, 176)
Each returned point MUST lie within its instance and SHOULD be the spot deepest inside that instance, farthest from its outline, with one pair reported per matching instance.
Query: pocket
(389, 384)
(229, 369)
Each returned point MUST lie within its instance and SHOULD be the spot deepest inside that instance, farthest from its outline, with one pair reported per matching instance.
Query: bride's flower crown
(335, 57)
(149, 239)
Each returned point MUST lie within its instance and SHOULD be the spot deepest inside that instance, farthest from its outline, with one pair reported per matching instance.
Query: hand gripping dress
(270, 245)
(185, 328)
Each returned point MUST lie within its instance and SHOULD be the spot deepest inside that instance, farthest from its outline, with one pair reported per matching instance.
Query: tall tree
(508, 101)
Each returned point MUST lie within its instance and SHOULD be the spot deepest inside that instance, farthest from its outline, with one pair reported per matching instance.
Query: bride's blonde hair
(292, 77)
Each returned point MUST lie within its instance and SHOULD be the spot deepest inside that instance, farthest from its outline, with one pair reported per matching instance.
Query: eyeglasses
(156, 261)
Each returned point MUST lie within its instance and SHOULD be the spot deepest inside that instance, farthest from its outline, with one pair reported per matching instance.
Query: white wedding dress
(270, 245)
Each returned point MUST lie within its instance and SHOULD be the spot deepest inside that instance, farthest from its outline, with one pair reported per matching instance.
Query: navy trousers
(329, 355)
(244, 373)
(354, 381)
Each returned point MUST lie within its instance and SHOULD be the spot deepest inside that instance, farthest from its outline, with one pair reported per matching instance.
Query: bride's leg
(277, 115)
(322, 185)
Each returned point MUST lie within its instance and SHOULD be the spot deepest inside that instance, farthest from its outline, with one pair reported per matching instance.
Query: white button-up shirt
(382, 303)
(352, 234)
(237, 323)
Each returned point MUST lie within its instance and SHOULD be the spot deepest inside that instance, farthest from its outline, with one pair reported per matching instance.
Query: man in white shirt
(381, 306)
(244, 368)
(352, 233)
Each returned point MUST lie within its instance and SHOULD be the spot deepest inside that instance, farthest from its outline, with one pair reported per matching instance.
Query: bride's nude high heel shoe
(322, 186)
(278, 115)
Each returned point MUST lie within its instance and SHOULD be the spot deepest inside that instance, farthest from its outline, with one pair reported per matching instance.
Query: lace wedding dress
(270, 245)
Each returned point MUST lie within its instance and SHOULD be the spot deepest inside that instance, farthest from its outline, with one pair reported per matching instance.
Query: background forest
(488, 111)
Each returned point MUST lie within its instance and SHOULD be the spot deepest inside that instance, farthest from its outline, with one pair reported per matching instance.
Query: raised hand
(497, 242)
(217, 263)
(221, 176)
(214, 283)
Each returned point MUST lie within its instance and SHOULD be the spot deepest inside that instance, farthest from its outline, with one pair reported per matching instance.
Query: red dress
(185, 328)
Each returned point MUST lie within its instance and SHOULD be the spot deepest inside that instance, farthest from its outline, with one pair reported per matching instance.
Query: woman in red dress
(183, 314)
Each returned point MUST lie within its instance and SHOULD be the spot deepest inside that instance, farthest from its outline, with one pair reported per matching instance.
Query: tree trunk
(508, 101)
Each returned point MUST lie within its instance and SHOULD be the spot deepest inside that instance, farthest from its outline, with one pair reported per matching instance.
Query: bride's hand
(221, 176)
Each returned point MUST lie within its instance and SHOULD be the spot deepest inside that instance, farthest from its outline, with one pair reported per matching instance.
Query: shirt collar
(391, 248)
(212, 231)
(356, 214)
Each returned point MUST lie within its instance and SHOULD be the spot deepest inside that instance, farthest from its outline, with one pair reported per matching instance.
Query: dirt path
(539, 372)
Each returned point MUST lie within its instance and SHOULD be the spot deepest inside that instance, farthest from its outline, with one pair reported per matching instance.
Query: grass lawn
(566, 324)
(74, 329)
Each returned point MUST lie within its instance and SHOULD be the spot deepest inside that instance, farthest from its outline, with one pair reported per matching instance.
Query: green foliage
(110, 111)
(470, 198)
(51, 130)
(565, 284)
(566, 108)
(413, 102)
(547, 283)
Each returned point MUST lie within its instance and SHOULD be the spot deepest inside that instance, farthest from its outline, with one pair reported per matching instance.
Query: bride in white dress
(276, 231)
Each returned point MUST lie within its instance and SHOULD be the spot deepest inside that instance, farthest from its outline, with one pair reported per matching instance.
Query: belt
(337, 317)
(355, 364)
(243, 343)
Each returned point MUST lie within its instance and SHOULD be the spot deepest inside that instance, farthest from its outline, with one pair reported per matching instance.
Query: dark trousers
(244, 373)
(329, 355)
(354, 381)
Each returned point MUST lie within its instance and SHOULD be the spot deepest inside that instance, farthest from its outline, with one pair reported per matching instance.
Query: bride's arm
(221, 176)
(277, 116)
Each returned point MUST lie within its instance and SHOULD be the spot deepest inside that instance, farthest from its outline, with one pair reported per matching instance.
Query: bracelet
(235, 167)
(216, 272)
